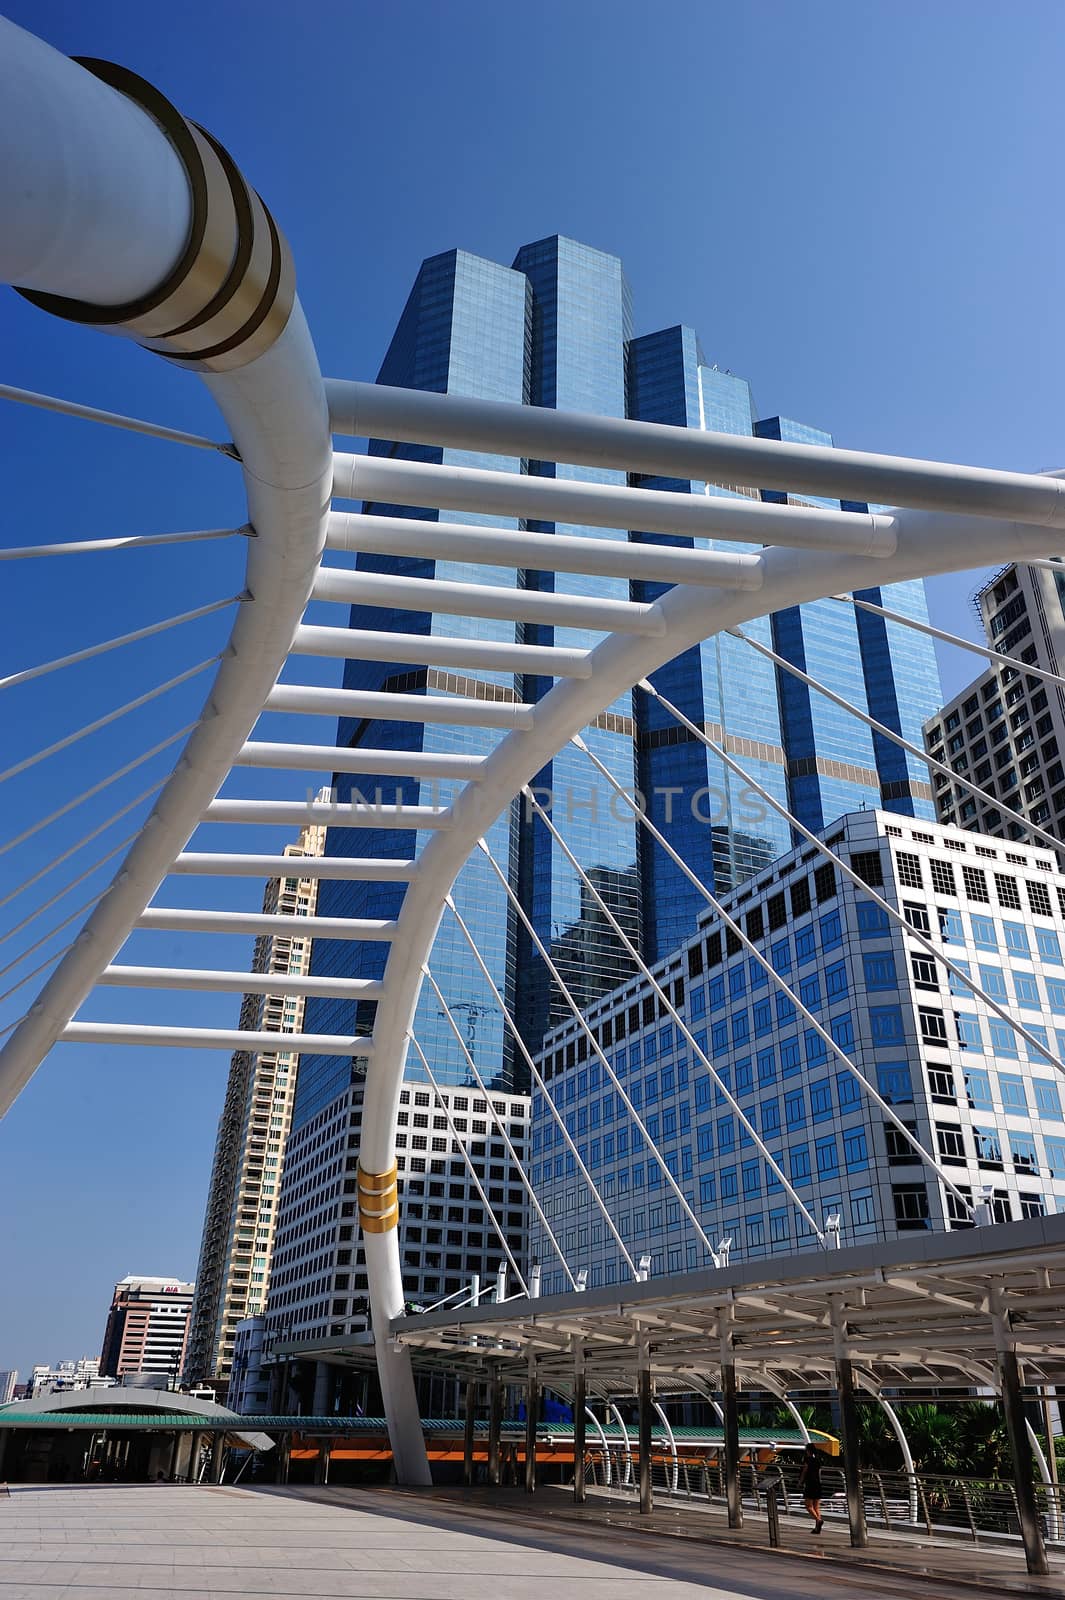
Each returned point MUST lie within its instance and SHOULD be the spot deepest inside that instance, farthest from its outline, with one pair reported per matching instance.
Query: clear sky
(855, 205)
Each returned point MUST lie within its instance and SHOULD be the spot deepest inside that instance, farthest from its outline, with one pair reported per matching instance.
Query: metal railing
(937, 1505)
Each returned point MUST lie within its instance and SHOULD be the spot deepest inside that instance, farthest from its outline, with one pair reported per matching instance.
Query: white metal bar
(241, 982)
(289, 927)
(485, 600)
(545, 956)
(86, 838)
(113, 644)
(470, 1167)
(538, 1079)
(674, 1014)
(33, 973)
(321, 1044)
(922, 755)
(112, 419)
(499, 1123)
(103, 722)
(81, 547)
(360, 759)
(830, 855)
(369, 869)
(87, 794)
(955, 638)
(357, 644)
(308, 699)
(514, 494)
(298, 813)
(503, 428)
(778, 982)
(542, 552)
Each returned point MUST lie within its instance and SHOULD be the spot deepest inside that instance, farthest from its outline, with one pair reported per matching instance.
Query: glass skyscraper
(555, 329)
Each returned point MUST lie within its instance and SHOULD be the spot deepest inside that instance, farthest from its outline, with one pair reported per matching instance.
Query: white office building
(986, 1102)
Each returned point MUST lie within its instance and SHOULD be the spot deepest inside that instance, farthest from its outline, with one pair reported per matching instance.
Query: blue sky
(854, 204)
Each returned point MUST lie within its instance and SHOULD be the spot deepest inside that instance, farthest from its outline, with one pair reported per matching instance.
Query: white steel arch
(173, 249)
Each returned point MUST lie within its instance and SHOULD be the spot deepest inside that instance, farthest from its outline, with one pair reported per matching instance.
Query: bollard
(772, 1512)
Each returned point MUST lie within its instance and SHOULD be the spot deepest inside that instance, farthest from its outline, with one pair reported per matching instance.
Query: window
(872, 920)
(911, 1206)
(885, 1024)
(933, 1026)
(856, 1150)
(1047, 1099)
(1009, 896)
(780, 955)
(909, 870)
(827, 1157)
(805, 946)
(894, 1082)
(1038, 898)
(916, 915)
(800, 897)
(836, 980)
(951, 929)
(1047, 944)
(992, 981)
(943, 877)
(778, 1227)
(1055, 1154)
(799, 1163)
(825, 882)
(941, 1084)
(975, 881)
(988, 1146)
(970, 1035)
(1014, 1098)
(1027, 990)
(1056, 995)
(925, 973)
(862, 1213)
(867, 865)
(831, 931)
(820, 1100)
(1003, 1037)
(985, 936)
(770, 1117)
(767, 1067)
(795, 1108)
(1017, 939)
(978, 1088)
(879, 970)
(951, 1144)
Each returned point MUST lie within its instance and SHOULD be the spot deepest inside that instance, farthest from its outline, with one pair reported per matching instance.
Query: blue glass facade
(555, 329)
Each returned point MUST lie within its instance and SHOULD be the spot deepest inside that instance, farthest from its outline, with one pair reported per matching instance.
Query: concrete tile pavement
(171, 1542)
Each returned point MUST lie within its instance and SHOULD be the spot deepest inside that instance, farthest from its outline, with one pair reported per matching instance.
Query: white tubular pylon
(119, 213)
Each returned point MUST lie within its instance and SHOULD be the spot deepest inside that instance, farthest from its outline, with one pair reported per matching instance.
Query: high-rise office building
(1005, 732)
(555, 329)
(147, 1328)
(985, 1102)
(241, 1214)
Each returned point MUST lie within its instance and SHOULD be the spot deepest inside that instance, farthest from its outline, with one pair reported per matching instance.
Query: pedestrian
(810, 1484)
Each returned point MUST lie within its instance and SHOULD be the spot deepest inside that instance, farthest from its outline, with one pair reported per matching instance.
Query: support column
(322, 1401)
(1016, 1425)
(495, 1420)
(468, 1432)
(731, 1429)
(194, 1458)
(5, 1434)
(218, 1456)
(852, 1466)
(284, 1457)
(645, 1422)
(321, 1465)
(580, 1419)
(532, 1418)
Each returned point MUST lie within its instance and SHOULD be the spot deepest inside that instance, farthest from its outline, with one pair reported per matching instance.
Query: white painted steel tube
(367, 869)
(95, 201)
(323, 1044)
(367, 410)
(544, 552)
(362, 644)
(240, 982)
(96, 206)
(308, 699)
(162, 918)
(297, 814)
(513, 494)
(385, 763)
(484, 600)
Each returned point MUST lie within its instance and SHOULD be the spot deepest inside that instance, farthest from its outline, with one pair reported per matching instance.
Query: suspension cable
(538, 1079)
(86, 905)
(86, 838)
(956, 638)
(114, 419)
(776, 978)
(896, 916)
(552, 968)
(80, 547)
(86, 794)
(665, 1001)
(468, 1159)
(113, 644)
(888, 733)
(112, 716)
(33, 973)
(73, 884)
(500, 1124)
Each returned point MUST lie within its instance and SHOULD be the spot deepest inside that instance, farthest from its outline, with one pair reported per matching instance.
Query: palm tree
(935, 1438)
(983, 1442)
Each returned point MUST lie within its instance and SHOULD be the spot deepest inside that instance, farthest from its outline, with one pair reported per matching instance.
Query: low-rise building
(984, 1101)
(81, 1374)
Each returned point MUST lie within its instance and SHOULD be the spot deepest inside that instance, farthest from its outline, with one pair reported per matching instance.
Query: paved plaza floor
(91, 1542)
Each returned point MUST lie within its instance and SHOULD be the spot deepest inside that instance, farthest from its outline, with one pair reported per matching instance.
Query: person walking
(810, 1484)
